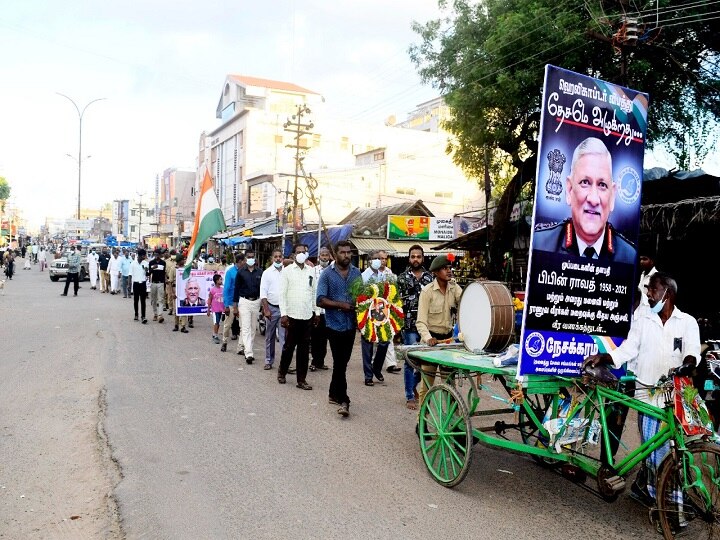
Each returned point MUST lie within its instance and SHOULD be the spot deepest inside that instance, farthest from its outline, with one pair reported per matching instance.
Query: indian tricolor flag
(209, 220)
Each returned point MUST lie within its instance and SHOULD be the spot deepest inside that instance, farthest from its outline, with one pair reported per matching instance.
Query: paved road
(201, 445)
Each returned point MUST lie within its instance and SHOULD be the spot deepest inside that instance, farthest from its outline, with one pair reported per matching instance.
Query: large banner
(582, 268)
(192, 293)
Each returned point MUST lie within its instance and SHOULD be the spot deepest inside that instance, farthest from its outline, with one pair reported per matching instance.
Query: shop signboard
(420, 228)
(582, 274)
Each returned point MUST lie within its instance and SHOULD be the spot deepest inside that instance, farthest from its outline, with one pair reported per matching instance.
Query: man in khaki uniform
(215, 266)
(437, 304)
(170, 268)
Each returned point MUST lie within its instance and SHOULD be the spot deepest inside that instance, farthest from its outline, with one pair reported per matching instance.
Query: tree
(4, 189)
(487, 59)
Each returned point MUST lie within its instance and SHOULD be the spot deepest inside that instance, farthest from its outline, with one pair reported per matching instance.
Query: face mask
(300, 258)
(277, 265)
(657, 308)
(324, 263)
(250, 261)
(375, 264)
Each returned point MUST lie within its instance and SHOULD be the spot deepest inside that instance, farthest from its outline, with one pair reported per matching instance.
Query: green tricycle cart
(562, 422)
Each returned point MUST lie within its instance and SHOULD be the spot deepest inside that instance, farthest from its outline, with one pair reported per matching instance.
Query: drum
(486, 316)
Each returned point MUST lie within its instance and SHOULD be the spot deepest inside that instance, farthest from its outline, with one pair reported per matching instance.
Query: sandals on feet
(411, 404)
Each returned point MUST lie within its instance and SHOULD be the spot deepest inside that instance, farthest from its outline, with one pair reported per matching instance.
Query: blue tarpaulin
(237, 240)
(310, 238)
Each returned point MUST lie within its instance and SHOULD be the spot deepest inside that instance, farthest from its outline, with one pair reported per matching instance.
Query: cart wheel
(529, 432)
(688, 493)
(445, 435)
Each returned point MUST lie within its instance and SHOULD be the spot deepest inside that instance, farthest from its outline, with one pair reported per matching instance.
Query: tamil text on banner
(419, 228)
(193, 291)
(582, 268)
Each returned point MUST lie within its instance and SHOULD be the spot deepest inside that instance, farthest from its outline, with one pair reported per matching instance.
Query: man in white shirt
(661, 338)
(92, 260)
(270, 302)
(318, 337)
(139, 271)
(297, 315)
(647, 265)
(114, 271)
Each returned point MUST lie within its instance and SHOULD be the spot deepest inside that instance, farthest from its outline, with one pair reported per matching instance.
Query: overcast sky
(161, 66)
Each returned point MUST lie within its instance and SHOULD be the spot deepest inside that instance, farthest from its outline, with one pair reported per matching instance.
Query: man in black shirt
(103, 261)
(157, 284)
(246, 303)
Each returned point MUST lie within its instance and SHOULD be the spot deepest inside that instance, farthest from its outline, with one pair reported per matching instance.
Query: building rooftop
(268, 83)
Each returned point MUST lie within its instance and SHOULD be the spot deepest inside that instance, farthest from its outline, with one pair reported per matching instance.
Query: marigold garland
(378, 310)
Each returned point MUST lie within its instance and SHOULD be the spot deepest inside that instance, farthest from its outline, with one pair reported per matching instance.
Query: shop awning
(399, 248)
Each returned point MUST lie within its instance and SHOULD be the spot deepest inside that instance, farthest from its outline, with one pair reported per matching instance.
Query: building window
(278, 139)
(241, 140)
(316, 140)
(378, 156)
(132, 228)
(149, 213)
(444, 194)
(405, 191)
(133, 212)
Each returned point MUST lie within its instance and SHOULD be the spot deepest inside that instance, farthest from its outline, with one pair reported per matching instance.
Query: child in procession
(216, 305)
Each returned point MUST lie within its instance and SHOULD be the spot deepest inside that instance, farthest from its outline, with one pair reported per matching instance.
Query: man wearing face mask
(246, 303)
(377, 272)
(661, 338)
(319, 340)
(270, 302)
(297, 315)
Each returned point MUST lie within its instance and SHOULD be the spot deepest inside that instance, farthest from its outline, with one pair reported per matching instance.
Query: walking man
(333, 295)
(92, 260)
(246, 302)
(73, 271)
(157, 285)
(318, 338)
(270, 302)
(410, 283)
(114, 272)
(297, 307)
(228, 294)
(170, 268)
(104, 260)
(139, 271)
(377, 272)
(125, 263)
(180, 321)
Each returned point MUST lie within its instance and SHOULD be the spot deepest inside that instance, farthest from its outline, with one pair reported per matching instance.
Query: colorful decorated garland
(378, 308)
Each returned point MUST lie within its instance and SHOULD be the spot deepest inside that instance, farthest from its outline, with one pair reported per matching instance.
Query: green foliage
(4, 189)
(487, 59)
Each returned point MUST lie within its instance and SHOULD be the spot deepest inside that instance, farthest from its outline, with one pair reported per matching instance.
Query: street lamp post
(79, 160)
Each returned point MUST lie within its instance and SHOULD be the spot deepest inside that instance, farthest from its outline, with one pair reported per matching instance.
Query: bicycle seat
(599, 375)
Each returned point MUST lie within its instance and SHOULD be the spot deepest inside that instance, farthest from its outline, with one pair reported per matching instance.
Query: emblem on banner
(535, 344)
(556, 162)
(628, 185)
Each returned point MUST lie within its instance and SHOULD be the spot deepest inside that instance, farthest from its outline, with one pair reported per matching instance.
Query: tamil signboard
(582, 268)
(419, 228)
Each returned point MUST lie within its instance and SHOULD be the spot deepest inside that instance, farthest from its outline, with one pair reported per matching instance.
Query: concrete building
(251, 157)
(175, 206)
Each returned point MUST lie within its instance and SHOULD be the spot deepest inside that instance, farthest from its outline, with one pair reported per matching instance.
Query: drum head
(474, 317)
(486, 316)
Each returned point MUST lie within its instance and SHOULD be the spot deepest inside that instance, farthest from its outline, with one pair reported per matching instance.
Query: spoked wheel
(688, 494)
(529, 432)
(445, 435)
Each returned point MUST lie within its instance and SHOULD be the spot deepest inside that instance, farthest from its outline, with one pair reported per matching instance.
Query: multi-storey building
(251, 156)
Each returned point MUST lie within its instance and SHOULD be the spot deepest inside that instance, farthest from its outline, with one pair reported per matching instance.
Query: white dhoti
(114, 282)
(93, 275)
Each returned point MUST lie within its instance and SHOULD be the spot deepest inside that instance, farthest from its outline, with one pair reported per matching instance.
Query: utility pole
(298, 128)
(140, 209)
